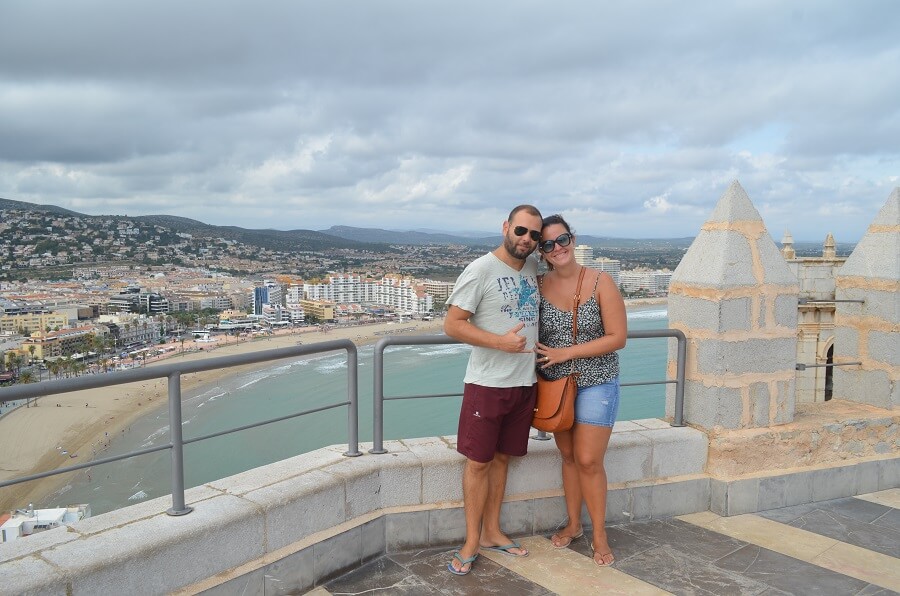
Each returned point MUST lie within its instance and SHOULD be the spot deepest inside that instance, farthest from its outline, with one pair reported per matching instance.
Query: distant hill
(272, 239)
(416, 238)
(308, 240)
(342, 236)
(422, 237)
(22, 206)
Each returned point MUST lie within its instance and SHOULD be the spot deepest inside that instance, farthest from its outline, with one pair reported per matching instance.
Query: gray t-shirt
(499, 298)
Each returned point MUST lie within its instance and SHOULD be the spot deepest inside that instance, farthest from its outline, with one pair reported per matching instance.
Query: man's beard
(510, 243)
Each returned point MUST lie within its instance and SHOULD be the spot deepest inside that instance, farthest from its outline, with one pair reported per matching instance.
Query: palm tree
(31, 350)
(14, 361)
(27, 377)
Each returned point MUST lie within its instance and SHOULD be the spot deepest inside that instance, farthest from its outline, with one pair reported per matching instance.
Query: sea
(309, 382)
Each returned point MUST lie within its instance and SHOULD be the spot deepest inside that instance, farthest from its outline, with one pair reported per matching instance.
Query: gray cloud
(631, 118)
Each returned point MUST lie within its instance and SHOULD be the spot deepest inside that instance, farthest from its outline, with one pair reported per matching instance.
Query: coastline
(84, 423)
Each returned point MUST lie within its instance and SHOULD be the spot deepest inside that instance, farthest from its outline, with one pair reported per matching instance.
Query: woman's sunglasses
(562, 240)
(521, 230)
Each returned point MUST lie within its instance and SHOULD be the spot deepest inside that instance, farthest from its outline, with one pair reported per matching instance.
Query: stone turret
(735, 299)
(869, 331)
(828, 249)
(787, 246)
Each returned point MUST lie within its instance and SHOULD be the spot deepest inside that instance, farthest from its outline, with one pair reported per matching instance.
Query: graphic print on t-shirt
(524, 294)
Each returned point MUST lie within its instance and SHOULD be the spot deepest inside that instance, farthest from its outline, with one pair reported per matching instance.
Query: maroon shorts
(495, 419)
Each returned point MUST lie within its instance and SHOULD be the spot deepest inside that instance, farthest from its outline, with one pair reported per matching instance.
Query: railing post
(679, 379)
(178, 505)
(378, 400)
(541, 436)
(353, 398)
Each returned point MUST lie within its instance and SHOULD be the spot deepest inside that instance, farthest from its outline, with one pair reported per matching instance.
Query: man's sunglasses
(520, 231)
(562, 240)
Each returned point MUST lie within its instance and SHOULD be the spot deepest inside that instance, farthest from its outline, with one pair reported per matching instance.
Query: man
(494, 307)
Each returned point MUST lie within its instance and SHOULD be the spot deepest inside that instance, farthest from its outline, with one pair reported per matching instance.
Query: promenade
(844, 546)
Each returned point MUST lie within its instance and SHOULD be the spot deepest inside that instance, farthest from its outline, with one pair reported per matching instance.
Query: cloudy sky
(631, 118)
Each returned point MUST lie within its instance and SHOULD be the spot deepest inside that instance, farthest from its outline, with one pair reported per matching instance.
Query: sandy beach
(69, 428)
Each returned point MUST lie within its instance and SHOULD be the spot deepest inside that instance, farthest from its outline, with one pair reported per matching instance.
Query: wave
(159, 432)
(251, 382)
(445, 350)
(649, 314)
(330, 367)
(138, 496)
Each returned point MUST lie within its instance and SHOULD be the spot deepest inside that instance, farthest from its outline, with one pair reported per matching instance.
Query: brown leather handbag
(554, 410)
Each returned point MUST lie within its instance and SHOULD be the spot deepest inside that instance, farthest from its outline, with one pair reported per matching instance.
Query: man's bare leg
(475, 493)
(491, 534)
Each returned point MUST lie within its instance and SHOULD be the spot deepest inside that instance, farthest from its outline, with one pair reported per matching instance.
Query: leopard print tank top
(556, 332)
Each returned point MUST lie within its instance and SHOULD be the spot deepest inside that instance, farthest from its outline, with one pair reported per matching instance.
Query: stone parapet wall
(292, 525)
(868, 331)
(735, 299)
(299, 520)
(823, 433)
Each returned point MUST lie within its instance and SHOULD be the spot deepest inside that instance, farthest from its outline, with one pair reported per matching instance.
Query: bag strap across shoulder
(576, 300)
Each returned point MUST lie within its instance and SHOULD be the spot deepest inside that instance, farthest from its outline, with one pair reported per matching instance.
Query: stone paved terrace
(844, 546)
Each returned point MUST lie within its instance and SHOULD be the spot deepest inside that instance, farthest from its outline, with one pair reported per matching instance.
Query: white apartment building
(274, 313)
(652, 282)
(133, 329)
(611, 266)
(216, 301)
(293, 294)
(294, 314)
(584, 254)
(397, 293)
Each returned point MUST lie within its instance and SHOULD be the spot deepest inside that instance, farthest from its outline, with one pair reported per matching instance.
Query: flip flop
(506, 548)
(568, 538)
(464, 560)
(600, 563)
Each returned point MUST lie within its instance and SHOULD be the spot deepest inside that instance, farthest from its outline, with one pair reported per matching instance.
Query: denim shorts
(598, 404)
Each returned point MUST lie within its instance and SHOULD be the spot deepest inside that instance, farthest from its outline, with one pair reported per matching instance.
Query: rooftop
(841, 546)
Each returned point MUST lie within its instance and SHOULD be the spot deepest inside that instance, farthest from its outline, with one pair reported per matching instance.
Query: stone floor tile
(381, 576)
(889, 497)
(858, 509)
(851, 531)
(786, 515)
(766, 533)
(683, 536)
(562, 571)
(486, 577)
(622, 543)
(863, 564)
(829, 553)
(787, 573)
(873, 590)
(680, 572)
(890, 520)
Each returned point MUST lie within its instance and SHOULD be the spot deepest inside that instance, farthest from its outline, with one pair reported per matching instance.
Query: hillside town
(112, 317)
(83, 294)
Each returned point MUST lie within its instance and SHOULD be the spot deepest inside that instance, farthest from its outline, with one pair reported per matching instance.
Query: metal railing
(801, 366)
(378, 397)
(173, 372)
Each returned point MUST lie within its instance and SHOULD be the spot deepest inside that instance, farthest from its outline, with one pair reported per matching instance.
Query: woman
(602, 329)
